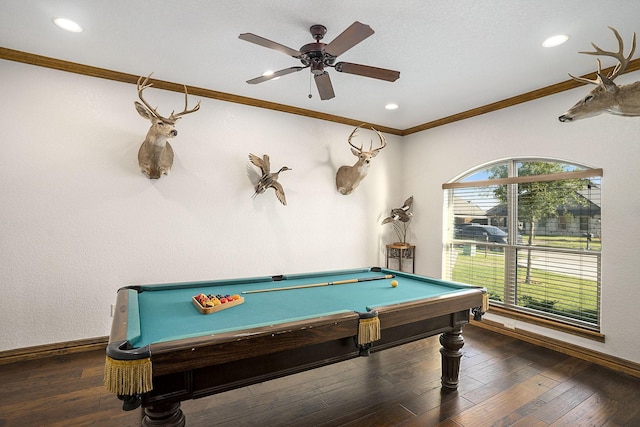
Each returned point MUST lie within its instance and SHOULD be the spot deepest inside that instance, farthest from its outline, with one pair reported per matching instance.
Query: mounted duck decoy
(402, 213)
(268, 179)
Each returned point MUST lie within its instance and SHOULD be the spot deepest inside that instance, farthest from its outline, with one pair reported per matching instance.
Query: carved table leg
(451, 342)
(163, 414)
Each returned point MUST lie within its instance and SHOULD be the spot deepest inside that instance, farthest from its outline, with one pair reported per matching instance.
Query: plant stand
(402, 252)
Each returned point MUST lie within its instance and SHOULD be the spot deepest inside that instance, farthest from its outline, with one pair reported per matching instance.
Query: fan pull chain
(310, 96)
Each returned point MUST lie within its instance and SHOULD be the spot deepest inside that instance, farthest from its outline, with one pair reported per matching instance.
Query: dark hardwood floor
(504, 382)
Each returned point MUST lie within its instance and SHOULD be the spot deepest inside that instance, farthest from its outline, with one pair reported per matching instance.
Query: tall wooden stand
(402, 252)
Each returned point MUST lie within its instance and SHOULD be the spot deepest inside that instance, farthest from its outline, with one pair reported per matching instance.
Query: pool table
(284, 325)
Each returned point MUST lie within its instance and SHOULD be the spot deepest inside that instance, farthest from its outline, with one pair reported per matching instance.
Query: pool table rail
(119, 346)
(215, 349)
(407, 312)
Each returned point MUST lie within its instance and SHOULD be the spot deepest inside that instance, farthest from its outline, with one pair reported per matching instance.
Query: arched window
(529, 230)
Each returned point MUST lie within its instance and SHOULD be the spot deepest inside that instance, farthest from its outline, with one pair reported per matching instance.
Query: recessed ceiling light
(555, 40)
(391, 106)
(67, 24)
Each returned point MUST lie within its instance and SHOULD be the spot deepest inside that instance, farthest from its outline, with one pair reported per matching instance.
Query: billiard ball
(394, 283)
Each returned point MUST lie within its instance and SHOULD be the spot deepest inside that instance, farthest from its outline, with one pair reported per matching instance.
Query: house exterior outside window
(529, 230)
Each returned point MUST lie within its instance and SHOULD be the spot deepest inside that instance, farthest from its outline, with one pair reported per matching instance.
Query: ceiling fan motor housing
(313, 55)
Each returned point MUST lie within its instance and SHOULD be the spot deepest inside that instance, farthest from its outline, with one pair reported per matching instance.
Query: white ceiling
(453, 55)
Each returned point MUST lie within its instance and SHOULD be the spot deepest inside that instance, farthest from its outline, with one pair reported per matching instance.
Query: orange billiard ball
(394, 283)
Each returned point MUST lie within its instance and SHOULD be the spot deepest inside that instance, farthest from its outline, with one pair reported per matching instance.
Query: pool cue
(316, 285)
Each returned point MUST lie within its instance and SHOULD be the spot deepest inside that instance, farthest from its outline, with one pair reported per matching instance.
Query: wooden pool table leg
(451, 342)
(163, 414)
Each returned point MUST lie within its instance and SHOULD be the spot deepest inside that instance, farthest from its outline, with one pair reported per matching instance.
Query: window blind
(534, 241)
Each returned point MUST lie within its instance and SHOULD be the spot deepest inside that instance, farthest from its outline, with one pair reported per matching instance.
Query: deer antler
(623, 61)
(352, 135)
(383, 142)
(185, 111)
(144, 84)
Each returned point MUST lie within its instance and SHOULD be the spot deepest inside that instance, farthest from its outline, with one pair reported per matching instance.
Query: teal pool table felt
(165, 312)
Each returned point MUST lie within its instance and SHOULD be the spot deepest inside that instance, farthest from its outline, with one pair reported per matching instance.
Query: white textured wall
(532, 129)
(78, 220)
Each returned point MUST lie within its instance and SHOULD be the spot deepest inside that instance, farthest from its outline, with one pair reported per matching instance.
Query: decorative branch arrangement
(155, 156)
(607, 96)
(400, 218)
(268, 179)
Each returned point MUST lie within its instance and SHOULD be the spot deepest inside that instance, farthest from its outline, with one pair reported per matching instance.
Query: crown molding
(87, 70)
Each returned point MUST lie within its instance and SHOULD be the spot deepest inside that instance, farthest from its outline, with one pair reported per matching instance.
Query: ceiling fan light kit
(317, 55)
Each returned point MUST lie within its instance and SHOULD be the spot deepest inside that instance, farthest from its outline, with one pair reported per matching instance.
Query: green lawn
(566, 242)
(548, 291)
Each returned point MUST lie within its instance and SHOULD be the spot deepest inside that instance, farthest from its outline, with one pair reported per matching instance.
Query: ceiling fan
(318, 55)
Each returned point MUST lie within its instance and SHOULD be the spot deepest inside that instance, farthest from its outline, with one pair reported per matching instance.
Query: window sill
(558, 326)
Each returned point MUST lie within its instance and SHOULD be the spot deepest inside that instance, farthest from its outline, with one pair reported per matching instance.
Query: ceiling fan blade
(368, 71)
(274, 75)
(268, 43)
(349, 38)
(323, 83)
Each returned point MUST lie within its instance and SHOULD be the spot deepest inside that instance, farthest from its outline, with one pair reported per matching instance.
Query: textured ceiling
(452, 56)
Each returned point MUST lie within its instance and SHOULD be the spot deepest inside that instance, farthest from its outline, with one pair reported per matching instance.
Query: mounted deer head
(607, 96)
(349, 177)
(155, 156)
